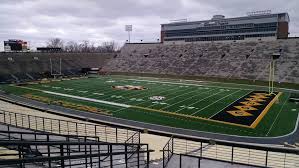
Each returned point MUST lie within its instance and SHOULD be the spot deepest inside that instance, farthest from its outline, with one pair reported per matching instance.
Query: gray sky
(103, 20)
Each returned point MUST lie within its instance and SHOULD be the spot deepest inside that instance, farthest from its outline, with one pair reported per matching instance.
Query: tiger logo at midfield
(157, 98)
(129, 87)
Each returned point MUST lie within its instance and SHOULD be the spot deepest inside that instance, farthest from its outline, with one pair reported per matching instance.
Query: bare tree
(84, 46)
(72, 46)
(109, 46)
(55, 42)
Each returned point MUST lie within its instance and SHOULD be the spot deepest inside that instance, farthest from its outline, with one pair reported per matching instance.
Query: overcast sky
(104, 20)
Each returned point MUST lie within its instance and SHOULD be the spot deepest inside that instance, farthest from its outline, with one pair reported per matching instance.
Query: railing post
(200, 149)
(116, 135)
(266, 164)
(232, 156)
(163, 158)
(111, 157)
(180, 161)
(4, 118)
(43, 124)
(61, 154)
(106, 133)
(95, 130)
(172, 141)
(22, 121)
(48, 150)
(8, 128)
(167, 152)
(126, 155)
(59, 126)
(16, 120)
(199, 162)
(10, 118)
(99, 151)
(20, 155)
(85, 129)
(138, 156)
(147, 156)
(90, 159)
(76, 128)
(35, 122)
(68, 129)
(85, 148)
(29, 121)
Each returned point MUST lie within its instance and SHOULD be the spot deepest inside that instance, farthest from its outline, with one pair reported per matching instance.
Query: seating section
(16, 67)
(238, 60)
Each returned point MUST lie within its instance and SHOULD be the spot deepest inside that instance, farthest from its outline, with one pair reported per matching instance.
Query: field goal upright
(274, 57)
(53, 68)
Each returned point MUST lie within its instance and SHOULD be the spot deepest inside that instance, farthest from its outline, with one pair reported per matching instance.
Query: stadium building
(255, 26)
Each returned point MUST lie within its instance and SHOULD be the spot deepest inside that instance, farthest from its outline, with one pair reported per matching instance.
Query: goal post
(54, 72)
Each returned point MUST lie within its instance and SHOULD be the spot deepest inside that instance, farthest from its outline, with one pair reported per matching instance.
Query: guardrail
(69, 154)
(167, 152)
(105, 133)
(234, 152)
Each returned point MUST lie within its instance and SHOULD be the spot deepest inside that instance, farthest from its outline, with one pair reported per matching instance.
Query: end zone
(247, 111)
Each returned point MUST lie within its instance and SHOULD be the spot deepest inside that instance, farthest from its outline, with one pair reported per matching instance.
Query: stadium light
(129, 29)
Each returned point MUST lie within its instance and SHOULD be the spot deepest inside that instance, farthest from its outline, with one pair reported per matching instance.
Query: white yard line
(230, 104)
(158, 94)
(188, 84)
(141, 92)
(277, 115)
(186, 99)
(172, 97)
(238, 84)
(215, 102)
(88, 99)
(200, 100)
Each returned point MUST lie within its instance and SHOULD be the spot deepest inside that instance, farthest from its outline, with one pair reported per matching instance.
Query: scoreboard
(15, 45)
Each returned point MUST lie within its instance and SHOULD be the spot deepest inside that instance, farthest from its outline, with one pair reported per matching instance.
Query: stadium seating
(17, 67)
(237, 60)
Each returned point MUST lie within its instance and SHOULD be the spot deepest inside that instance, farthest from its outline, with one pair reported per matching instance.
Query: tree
(72, 46)
(55, 43)
(109, 46)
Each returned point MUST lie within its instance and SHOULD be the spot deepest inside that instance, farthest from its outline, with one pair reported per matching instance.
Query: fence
(71, 154)
(105, 133)
(234, 152)
(48, 149)
(167, 152)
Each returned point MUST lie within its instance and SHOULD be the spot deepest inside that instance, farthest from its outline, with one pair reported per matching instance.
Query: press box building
(255, 26)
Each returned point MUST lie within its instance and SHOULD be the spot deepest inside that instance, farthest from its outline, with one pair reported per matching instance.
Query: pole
(273, 69)
(129, 37)
(60, 66)
(51, 66)
(270, 76)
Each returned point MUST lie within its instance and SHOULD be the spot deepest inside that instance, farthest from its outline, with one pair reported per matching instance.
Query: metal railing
(58, 126)
(167, 152)
(234, 152)
(71, 154)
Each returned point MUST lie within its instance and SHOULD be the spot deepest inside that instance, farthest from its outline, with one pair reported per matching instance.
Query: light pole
(129, 28)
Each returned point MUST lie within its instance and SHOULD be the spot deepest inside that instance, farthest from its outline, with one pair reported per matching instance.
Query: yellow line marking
(28, 88)
(253, 125)
(265, 111)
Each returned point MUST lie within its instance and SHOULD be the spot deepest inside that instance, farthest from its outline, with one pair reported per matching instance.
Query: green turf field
(172, 102)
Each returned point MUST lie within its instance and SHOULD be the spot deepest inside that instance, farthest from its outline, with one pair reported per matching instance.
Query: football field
(224, 108)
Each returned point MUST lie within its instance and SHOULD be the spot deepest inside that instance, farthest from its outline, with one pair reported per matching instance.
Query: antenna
(259, 13)
(178, 20)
